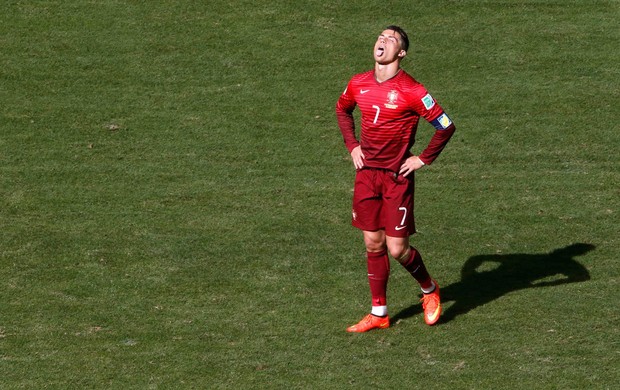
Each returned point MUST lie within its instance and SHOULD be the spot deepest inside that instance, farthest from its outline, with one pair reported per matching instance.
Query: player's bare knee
(400, 254)
(375, 242)
(373, 246)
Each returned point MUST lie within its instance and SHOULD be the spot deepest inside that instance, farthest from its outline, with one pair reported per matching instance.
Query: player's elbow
(343, 109)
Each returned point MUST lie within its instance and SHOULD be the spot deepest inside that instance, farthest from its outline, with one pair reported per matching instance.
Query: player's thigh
(366, 201)
(398, 205)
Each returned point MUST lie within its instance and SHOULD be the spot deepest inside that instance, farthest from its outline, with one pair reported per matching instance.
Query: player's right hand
(358, 157)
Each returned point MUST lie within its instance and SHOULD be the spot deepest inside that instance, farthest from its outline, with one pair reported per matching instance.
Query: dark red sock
(415, 266)
(378, 274)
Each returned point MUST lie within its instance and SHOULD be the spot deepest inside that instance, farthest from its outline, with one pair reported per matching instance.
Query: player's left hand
(411, 164)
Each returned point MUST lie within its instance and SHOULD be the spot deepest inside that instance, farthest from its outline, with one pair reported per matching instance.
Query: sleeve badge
(444, 121)
(428, 101)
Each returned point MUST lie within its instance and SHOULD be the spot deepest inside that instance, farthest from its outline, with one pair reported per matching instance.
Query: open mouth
(379, 51)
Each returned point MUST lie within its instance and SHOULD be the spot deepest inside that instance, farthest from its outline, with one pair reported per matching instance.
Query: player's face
(387, 47)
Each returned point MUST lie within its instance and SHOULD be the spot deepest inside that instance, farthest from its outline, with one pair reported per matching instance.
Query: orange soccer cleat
(370, 322)
(431, 303)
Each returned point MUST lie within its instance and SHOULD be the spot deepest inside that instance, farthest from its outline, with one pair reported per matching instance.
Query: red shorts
(383, 200)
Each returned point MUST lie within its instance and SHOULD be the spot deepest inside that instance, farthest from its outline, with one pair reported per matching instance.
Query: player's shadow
(485, 278)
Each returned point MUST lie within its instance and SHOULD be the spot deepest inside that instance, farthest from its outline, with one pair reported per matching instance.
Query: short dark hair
(403, 35)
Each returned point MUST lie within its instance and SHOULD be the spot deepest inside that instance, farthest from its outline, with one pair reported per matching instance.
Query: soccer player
(391, 103)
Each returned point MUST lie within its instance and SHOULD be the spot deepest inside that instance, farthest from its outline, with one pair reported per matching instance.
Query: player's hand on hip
(358, 157)
(411, 164)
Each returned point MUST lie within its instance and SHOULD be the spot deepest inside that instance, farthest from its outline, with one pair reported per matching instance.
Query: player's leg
(410, 258)
(400, 223)
(378, 264)
(378, 270)
(366, 216)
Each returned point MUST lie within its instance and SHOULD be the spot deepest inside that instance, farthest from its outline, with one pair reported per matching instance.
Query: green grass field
(175, 196)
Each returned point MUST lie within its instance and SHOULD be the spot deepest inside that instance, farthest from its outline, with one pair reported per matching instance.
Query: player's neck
(387, 71)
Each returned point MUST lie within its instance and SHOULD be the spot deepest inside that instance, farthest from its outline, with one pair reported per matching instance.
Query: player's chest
(389, 99)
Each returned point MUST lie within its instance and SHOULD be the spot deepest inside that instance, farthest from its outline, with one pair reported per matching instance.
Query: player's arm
(344, 114)
(444, 128)
(425, 105)
(435, 146)
(439, 140)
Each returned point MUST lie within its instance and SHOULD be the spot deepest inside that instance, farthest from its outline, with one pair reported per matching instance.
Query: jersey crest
(392, 96)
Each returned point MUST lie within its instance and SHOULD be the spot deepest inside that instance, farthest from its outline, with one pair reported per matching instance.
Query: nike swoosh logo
(400, 227)
(363, 91)
(433, 317)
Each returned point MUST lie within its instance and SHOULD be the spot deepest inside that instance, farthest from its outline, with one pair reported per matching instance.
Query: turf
(175, 196)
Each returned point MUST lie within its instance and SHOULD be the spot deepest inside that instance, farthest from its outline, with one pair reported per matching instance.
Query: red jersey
(390, 112)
